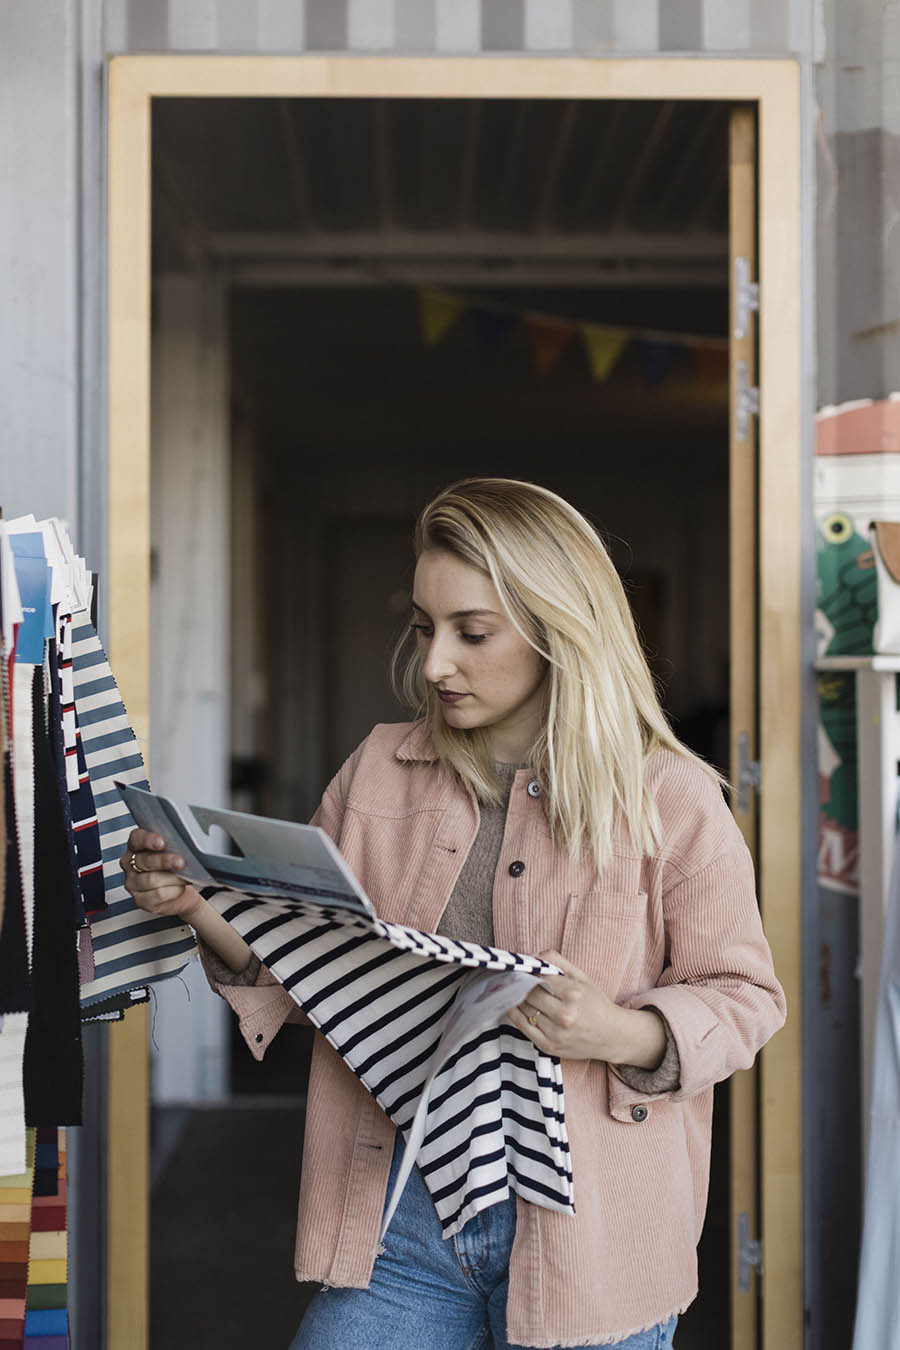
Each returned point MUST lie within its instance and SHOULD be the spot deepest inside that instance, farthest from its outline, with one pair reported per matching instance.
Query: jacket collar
(417, 746)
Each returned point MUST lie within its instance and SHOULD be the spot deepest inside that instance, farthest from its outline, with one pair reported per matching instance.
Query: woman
(540, 803)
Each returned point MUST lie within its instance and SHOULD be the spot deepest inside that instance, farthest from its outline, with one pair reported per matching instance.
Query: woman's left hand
(571, 1017)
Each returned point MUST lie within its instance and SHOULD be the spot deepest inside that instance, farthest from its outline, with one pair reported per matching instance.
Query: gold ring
(533, 1021)
(134, 865)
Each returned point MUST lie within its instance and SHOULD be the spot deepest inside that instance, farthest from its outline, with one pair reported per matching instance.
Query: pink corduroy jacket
(678, 930)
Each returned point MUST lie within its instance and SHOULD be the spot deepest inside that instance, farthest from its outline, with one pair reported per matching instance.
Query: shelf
(885, 662)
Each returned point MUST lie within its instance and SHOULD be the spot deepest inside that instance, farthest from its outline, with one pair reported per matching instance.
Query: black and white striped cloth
(131, 948)
(381, 993)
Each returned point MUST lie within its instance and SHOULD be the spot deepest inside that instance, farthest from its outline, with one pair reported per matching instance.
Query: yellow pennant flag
(604, 347)
(438, 311)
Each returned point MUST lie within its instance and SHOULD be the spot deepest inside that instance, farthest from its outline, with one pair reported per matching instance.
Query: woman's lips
(448, 696)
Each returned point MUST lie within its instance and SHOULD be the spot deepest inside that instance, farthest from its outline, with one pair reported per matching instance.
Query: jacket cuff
(219, 972)
(666, 1077)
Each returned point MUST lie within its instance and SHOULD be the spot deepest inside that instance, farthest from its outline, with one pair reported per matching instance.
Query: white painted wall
(190, 607)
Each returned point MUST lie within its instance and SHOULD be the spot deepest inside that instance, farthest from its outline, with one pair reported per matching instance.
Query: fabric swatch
(15, 1230)
(130, 948)
(46, 1318)
(13, 1028)
(380, 994)
(53, 1054)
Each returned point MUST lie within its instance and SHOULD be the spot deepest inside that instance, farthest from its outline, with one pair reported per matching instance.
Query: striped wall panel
(579, 27)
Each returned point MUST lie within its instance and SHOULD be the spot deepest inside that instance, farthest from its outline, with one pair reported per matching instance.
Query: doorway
(582, 477)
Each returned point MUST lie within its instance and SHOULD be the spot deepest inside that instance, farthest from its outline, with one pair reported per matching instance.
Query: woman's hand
(152, 881)
(571, 1017)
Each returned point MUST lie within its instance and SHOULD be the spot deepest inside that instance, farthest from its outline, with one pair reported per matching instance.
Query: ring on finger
(533, 1019)
(134, 864)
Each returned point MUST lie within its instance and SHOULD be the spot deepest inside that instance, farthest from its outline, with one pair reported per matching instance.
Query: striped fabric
(380, 993)
(130, 949)
(67, 698)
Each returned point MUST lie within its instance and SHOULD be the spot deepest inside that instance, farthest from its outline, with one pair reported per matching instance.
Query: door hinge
(749, 775)
(749, 1254)
(746, 297)
(746, 400)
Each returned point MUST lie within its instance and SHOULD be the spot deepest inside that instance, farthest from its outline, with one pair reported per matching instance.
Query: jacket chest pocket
(604, 934)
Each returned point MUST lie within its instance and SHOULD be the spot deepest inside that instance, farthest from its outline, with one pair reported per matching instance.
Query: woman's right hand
(151, 878)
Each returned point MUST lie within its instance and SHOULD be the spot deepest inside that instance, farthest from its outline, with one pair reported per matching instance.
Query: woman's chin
(457, 715)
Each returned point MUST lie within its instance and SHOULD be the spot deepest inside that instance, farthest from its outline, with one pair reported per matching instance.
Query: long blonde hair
(558, 586)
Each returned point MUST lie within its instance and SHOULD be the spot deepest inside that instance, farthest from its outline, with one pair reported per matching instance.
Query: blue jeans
(428, 1294)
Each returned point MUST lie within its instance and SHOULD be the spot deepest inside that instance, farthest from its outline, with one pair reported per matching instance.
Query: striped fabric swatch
(381, 993)
(67, 698)
(46, 1318)
(130, 949)
(15, 1233)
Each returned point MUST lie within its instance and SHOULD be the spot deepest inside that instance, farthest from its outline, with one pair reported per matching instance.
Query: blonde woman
(540, 803)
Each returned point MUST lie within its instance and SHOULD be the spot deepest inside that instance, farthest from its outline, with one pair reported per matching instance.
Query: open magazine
(420, 1018)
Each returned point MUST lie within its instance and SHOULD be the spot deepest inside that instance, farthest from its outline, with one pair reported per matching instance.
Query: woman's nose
(438, 664)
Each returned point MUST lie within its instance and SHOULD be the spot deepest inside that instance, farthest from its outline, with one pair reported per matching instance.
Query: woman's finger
(542, 1000)
(152, 881)
(531, 1029)
(141, 841)
(159, 898)
(155, 862)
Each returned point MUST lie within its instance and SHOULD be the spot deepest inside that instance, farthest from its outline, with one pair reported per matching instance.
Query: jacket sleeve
(262, 1004)
(718, 991)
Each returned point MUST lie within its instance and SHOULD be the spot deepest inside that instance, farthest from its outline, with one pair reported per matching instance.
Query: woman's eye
(473, 637)
(424, 628)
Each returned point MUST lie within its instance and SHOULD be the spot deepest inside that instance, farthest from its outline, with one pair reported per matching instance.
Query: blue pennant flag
(491, 328)
(656, 359)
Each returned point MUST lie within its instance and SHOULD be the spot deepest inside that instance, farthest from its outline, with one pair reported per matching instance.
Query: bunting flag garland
(710, 364)
(548, 341)
(438, 312)
(656, 359)
(491, 327)
(604, 346)
(550, 334)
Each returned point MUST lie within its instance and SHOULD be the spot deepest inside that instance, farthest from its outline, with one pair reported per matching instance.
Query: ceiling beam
(466, 273)
(383, 184)
(555, 163)
(641, 167)
(469, 162)
(296, 171)
(495, 246)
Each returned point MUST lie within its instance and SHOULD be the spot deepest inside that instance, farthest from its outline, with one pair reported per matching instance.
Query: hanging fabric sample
(15, 980)
(16, 1194)
(129, 947)
(492, 1117)
(46, 1317)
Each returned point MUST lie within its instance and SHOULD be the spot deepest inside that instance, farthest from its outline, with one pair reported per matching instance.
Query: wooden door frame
(773, 86)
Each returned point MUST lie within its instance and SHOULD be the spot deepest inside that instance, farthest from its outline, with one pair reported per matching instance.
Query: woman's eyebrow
(463, 613)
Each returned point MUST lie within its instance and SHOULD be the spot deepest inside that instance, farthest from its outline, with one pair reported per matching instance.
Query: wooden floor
(224, 1208)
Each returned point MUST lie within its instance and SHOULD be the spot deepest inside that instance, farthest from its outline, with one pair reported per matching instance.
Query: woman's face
(484, 673)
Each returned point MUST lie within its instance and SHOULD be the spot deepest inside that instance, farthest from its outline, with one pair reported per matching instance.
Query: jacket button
(639, 1113)
(534, 788)
(259, 1038)
(516, 868)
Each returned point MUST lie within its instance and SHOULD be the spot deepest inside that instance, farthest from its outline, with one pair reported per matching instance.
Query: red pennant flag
(710, 364)
(549, 339)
